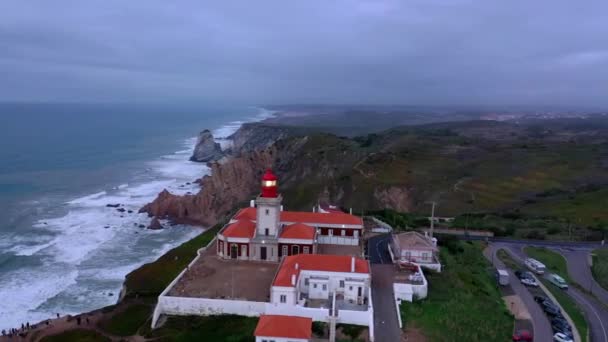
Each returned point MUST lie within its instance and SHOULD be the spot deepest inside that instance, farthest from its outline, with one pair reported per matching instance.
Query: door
(244, 251)
(262, 253)
(359, 291)
(234, 251)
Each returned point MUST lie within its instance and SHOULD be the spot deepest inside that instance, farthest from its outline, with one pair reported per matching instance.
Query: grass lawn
(556, 263)
(464, 302)
(506, 258)
(151, 279)
(600, 267)
(79, 335)
(229, 328)
(128, 321)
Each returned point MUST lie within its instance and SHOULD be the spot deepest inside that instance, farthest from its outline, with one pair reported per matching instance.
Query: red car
(523, 335)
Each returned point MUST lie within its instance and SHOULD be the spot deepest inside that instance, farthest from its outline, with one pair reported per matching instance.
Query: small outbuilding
(280, 328)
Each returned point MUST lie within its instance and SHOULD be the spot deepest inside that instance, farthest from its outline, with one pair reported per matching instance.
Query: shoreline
(100, 200)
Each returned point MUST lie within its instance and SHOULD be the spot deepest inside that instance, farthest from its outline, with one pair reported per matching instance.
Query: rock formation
(155, 224)
(206, 148)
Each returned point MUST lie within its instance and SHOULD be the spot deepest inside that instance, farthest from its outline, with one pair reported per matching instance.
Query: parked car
(523, 335)
(551, 310)
(549, 304)
(560, 326)
(558, 281)
(529, 282)
(519, 274)
(540, 299)
(559, 337)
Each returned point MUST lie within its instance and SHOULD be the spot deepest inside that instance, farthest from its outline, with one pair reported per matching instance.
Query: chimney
(352, 264)
(293, 280)
(281, 207)
(351, 211)
(252, 203)
(297, 265)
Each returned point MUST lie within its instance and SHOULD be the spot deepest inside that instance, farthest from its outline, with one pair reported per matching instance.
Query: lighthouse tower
(268, 207)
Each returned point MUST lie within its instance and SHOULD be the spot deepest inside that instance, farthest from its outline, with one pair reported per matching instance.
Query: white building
(265, 232)
(413, 247)
(280, 328)
(312, 280)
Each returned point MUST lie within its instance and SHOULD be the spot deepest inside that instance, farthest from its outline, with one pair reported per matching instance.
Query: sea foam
(79, 259)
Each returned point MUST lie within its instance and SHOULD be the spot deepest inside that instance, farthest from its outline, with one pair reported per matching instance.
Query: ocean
(62, 250)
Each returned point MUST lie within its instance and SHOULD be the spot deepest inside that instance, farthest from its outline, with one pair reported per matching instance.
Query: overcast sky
(326, 51)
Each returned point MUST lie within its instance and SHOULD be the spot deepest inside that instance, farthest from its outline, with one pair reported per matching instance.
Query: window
(343, 232)
(314, 285)
(341, 283)
(350, 288)
(285, 250)
(324, 287)
(306, 250)
(306, 282)
(266, 231)
(295, 249)
(267, 212)
(330, 232)
(283, 299)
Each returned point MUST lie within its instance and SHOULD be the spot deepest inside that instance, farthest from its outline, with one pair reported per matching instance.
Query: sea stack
(206, 149)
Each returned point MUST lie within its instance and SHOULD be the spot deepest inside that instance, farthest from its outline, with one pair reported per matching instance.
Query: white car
(529, 282)
(559, 337)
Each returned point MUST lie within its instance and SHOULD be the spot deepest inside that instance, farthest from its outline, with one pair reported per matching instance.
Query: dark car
(523, 335)
(562, 327)
(540, 299)
(519, 274)
(551, 310)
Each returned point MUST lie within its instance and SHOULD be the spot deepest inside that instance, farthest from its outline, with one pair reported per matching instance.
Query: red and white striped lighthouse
(269, 185)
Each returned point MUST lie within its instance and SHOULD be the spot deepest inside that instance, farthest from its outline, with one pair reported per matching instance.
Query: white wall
(289, 292)
(207, 306)
(270, 221)
(278, 339)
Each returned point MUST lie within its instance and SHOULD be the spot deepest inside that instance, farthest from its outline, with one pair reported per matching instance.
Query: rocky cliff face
(230, 183)
(206, 148)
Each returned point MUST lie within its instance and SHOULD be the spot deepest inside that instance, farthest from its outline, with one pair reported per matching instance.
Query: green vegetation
(506, 258)
(464, 302)
(600, 267)
(151, 279)
(79, 335)
(127, 321)
(352, 331)
(555, 263)
(227, 328)
(400, 221)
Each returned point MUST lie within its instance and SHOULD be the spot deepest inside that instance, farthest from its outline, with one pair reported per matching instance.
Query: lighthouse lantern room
(269, 184)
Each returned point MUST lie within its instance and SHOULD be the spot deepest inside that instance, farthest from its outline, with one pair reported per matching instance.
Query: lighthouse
(268, 207)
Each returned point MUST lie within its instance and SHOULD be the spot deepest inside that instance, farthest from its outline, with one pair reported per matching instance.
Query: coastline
(130, 198)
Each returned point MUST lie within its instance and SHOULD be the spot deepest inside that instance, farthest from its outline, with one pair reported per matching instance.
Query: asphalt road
(386, 323)
(580, 271)
(377, 249)
(595, 312)
(540, 323)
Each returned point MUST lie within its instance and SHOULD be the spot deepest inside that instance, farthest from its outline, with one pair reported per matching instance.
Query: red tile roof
(298, 231)
(316, 262)
(284, 326)
(240, 229)
(309, 218)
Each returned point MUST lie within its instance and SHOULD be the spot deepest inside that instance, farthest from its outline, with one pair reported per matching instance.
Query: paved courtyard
(211, 277)
(338, 250)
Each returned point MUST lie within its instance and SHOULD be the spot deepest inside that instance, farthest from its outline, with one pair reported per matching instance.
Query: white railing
(338, 240)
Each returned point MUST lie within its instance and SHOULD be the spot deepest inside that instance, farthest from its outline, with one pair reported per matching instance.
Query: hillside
(539, 168)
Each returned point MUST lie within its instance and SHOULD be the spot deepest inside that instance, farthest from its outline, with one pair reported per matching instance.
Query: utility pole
(432, 217)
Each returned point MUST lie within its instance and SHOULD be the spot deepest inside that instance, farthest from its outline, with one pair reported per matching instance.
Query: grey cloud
(344, 51)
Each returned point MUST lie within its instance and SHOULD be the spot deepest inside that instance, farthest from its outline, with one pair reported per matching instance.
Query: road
(580, 271)
(595, 312)
(386, 323)
(541, 325)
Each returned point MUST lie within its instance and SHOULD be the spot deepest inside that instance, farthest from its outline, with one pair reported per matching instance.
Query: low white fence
(338, 240)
